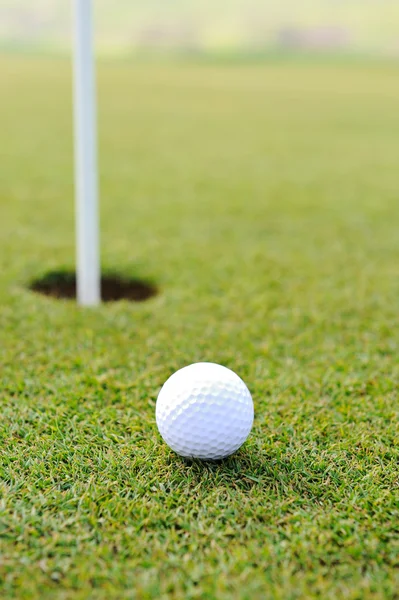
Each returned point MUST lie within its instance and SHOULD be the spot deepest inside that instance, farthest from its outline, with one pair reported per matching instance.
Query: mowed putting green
(261, 202)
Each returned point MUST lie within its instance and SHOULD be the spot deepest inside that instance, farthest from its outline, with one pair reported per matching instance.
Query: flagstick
(88, 284)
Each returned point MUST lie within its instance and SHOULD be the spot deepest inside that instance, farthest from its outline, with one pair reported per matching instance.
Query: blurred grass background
(126, 27)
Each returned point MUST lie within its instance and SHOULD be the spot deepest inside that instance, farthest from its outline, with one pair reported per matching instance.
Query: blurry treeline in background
(253, 27)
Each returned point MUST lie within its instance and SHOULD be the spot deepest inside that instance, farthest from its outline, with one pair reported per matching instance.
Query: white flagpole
(88, 274)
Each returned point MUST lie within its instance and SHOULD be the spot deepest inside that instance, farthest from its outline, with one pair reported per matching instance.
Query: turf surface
(263, 202)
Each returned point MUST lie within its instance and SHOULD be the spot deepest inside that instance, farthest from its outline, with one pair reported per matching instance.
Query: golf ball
(204, 411)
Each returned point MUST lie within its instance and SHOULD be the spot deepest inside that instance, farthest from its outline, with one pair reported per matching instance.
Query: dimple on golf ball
(204, 411)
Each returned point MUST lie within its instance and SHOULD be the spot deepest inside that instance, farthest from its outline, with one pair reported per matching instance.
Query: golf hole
(62, 285)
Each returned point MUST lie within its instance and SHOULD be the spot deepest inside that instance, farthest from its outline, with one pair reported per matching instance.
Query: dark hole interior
(62, 284)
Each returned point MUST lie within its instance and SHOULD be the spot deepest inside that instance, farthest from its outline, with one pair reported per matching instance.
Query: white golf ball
(204, 411)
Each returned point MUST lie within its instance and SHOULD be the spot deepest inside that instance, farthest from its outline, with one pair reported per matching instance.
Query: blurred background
(128, 27)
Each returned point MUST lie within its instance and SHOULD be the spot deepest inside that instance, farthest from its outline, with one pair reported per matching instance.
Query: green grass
(263, 201)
